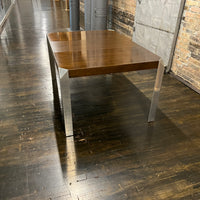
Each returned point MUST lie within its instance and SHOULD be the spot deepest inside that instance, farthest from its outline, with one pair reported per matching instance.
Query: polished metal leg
(53, 72)
(156, 91)
(66, 101)
(65, 92)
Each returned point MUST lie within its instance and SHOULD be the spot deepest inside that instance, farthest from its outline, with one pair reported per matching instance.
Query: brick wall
(186, 63)
(123, 13)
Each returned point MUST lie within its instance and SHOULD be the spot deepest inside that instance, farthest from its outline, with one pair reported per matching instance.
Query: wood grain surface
(86, 53)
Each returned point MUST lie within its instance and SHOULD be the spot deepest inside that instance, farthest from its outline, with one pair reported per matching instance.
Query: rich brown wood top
(86, 53)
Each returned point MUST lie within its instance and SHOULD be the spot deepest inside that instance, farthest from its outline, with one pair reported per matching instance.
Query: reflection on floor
(115, 153)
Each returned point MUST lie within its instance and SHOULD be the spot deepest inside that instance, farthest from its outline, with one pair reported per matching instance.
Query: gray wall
(96, 14)
(155, 24)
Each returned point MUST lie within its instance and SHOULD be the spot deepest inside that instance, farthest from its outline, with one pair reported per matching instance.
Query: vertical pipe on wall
(178, 24)
(74, 6)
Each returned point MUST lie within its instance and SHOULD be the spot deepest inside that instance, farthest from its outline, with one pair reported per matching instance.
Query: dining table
(97, 52)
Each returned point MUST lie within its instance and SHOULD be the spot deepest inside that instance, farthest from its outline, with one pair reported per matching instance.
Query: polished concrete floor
(115, 154)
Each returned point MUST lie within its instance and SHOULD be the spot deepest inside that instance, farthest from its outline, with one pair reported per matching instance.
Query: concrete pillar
(74, 6)
(96, 14)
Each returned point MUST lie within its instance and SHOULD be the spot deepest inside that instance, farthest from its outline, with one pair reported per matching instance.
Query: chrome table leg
(66, 101)
(65, 91)
(53, 69)
(156, 91)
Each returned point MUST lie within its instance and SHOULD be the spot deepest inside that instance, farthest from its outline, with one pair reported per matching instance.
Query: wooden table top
(86, 53)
